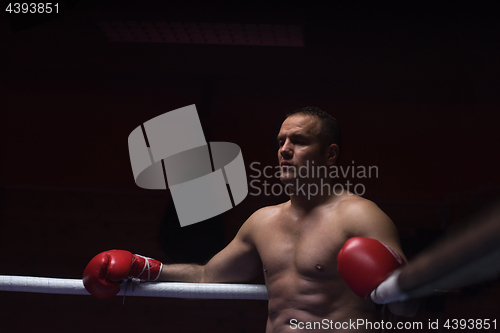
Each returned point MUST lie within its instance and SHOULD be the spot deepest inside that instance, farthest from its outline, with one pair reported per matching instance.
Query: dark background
(415, 87)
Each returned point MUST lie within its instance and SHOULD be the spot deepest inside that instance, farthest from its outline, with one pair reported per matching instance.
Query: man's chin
(287, 180)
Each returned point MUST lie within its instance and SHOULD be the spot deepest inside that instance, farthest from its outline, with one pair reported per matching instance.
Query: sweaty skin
(295, 244)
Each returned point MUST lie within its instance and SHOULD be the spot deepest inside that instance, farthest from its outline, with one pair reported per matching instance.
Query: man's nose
(286, 150)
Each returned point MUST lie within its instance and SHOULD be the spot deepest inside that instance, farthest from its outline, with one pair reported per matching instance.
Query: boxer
(297, 245)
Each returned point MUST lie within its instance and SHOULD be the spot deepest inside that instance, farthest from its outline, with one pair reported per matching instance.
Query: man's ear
(332, 154)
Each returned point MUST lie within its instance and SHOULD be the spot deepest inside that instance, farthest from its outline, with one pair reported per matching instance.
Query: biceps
(390, 237)
(384, 230)
(238, 262)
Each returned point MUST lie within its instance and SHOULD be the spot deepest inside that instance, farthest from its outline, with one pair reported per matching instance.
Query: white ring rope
(150, 289)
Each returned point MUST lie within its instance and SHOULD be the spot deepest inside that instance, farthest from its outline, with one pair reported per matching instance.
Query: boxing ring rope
(465, 257)
(150, 289)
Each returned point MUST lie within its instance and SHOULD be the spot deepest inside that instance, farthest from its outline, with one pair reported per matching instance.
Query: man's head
(330, 129)
(308, 138)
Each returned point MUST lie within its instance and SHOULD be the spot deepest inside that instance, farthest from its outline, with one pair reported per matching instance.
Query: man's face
(300, 146)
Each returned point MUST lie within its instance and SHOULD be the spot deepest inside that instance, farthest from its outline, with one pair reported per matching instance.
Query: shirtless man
(296, 243)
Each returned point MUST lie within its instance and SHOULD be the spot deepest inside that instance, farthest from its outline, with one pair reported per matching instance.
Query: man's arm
(366, 219)
(237, 262)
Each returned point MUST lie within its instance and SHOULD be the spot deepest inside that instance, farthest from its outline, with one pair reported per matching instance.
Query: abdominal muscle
(295, 301)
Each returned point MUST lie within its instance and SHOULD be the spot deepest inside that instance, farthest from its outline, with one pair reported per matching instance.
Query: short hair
(330, 128)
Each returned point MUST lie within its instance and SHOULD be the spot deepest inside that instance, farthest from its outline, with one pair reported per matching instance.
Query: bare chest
(308, 249)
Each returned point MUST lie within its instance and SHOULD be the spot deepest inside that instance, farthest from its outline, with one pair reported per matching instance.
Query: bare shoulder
(358, 210)
(260, 219)
(362, 217)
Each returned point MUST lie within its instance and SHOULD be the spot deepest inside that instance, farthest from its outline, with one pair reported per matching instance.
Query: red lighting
(203, 33)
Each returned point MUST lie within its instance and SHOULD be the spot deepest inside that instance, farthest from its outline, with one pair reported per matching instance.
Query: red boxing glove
(105, 271)
(364, 263)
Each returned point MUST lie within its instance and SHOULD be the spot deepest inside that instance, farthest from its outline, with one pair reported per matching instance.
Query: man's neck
(307, 201)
